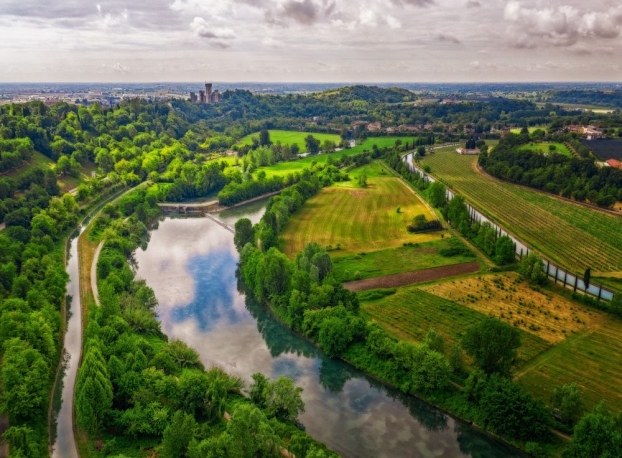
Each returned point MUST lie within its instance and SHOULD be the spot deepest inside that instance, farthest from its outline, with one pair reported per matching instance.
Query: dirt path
(94, 288)
(409, 278)
(4, 425)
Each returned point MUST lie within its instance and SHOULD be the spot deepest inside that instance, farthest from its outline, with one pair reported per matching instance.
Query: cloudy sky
(310, 40)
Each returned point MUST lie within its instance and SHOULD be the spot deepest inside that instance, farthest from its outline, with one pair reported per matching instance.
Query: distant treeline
(600, 98)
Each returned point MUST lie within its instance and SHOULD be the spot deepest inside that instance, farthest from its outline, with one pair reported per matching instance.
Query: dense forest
(598, 98)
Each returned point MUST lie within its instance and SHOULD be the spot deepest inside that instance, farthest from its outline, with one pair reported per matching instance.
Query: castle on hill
(206, 96)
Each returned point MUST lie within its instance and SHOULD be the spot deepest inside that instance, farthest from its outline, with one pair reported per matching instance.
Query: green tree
(177, 435)
(532, 269)
(251, 433)
(567, 399)
(312, 144)
(437, 194)
(283, 399)
(504, 250)
(362, 180)
(258, 388)
(597, 435)
(93, 383)
(264, 138)
(492, 344)
(587, 277)
(435, 341)
(421, 151)
(244, 233)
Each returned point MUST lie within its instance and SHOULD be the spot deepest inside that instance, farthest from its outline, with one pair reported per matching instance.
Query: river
(191, 264)
(64, 442)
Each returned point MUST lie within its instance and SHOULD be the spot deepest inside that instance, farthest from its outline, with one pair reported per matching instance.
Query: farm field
(531, 129)
(411, 312)
(592, 359)
(576, 237)
(549, 316)
(287, 137)
(394, 260)
(358, 219)
(543, 148)
(284, 168)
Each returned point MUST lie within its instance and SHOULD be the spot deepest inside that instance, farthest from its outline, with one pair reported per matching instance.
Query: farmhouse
(614, 163)
(474, 151)
(374, 126)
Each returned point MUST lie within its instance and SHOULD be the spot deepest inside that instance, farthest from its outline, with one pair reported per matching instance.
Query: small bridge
(220, 222)
(189, 208)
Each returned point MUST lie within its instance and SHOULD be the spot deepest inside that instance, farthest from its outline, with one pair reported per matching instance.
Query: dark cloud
(473, 4)
(305, 12)
(142, 14)
(448, 38)
(418, 3)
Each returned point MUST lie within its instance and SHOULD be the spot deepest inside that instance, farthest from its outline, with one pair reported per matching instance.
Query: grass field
(284, 168)
(531, 129)
(574, 236)
(287, 137)
(543, 148)
(394, 260)
(592, 359)
(359, 219)
(411, 312)
(504, 296)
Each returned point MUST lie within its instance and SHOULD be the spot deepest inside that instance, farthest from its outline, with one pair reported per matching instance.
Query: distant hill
(371, 94)
(611, 99)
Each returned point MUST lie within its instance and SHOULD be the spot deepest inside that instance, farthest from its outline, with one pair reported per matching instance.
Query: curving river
(191, 264)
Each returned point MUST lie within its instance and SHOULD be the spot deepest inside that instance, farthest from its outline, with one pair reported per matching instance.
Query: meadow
(358, 218)
(394, 260)
(287, 137)
(285, 168)
(411, 312)
(591, 358)
(574, 236)
(543, 147)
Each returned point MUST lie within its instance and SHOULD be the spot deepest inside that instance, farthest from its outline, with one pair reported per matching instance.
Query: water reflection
(191, 265)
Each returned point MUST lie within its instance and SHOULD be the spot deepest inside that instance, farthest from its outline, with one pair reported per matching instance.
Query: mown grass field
(358, 219)
(394, 260)
(284, 168)
(543, 148)
(287, 137)
(574, 236)
(549, 316)
(411, 312)
(592, 359)
(531, 129)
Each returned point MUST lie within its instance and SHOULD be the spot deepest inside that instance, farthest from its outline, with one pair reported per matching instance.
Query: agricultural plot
(592, 359)
(287, 137)
(284, 168)
(573, 236)
(548, 316)
(544, 148)
(394, 260)
(358, 219)
(531, 129)
(411, 312)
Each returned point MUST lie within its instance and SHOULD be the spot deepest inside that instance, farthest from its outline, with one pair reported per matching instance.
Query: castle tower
(208, 92)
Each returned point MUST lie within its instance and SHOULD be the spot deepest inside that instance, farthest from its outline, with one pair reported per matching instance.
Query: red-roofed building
(614, 163)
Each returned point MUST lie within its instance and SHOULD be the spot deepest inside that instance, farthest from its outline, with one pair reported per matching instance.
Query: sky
(310, 40)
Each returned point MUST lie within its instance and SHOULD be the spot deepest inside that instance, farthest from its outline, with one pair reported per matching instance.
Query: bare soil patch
(408, 278)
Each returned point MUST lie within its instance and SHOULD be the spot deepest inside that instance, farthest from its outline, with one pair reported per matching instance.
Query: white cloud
(394, 23)
(202, 29)
(118, 68)
(563, 25)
